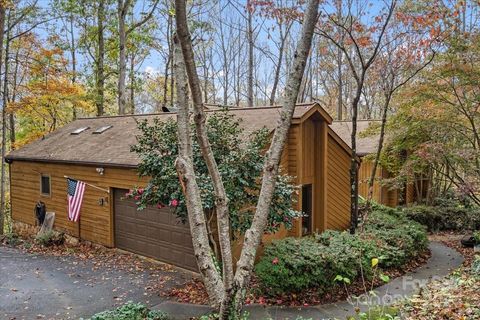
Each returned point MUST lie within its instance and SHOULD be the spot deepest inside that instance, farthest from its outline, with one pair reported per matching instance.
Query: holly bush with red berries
(240, 156)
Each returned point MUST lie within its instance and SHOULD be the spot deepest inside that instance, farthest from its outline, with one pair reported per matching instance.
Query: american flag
(76, 189)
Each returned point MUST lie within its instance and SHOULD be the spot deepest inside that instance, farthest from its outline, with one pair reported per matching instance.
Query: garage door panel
(152, 232)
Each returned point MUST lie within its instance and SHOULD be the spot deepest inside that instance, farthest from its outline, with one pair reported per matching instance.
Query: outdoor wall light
(100, 171)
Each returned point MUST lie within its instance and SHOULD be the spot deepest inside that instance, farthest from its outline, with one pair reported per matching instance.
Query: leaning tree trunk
(221, 199)
(184, 164)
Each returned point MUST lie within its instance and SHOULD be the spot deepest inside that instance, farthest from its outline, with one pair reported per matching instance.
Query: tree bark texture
(184, 164)
(4, 139)
(100, 72)
(221, 200)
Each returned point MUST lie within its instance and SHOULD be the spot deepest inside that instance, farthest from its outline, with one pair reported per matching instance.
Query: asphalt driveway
(34, 286)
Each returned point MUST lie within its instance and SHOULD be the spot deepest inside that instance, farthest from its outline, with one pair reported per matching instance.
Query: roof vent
(101, 129)
(79, 130)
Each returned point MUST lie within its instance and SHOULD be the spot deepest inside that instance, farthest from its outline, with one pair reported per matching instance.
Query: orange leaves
(364, 41)
(48, 96)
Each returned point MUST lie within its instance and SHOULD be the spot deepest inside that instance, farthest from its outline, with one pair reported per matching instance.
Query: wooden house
(366, 149)
(97, 151)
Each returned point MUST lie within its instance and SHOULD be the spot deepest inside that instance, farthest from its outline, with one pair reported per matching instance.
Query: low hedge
(296, 264)
(445, 218)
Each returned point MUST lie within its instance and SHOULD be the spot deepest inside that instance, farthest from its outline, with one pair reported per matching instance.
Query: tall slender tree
(123, 8)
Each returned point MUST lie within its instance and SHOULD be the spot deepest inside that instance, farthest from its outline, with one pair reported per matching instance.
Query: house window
(307, 209)
(45, 186)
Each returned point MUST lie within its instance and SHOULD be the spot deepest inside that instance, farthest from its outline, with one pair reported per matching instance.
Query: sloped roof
(365, 145)
(112, 147)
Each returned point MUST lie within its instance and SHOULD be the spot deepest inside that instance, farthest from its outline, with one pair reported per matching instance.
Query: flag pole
(88, 184)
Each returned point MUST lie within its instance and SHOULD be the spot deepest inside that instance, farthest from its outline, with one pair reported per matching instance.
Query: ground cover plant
(445, 218)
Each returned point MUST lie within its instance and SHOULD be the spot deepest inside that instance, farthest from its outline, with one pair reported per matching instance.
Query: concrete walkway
(440, 264)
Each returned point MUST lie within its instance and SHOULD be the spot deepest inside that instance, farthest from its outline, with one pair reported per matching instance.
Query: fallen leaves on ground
(454, 297)
(94, 264)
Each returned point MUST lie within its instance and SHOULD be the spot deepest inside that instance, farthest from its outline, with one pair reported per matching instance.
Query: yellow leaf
(374, 262)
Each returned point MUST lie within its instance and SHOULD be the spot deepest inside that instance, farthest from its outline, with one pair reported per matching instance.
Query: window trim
(42, 175)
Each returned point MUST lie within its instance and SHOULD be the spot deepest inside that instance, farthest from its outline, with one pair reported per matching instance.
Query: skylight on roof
(101, 129)
(79, 130)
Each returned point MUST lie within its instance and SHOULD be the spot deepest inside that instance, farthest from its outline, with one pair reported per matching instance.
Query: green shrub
(442, 218)
(11, 239)
(50, 238)
(295, 264)
(397, 238)
(131, 311)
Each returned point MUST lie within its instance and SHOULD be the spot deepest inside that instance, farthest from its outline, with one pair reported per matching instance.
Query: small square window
(45, 185)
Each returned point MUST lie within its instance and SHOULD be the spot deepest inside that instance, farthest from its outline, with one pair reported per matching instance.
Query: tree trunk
(168, 62)
(230, 296)
(13, 98)
(221, 200)
(122, 8)
(184, 164)
(4, 113)
(74, 60)
(379, 150)
(250, 56)
(100, 74)
(339, 67)
(132, 83)
(278, 67)
(353, 160)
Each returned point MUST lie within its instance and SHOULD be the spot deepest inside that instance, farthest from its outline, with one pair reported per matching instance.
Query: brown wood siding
(293, 147)
(381, 194)
(364, 173)
(95, 219)
(338, 184)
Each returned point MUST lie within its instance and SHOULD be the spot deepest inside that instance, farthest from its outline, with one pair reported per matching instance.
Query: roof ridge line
(173, 112)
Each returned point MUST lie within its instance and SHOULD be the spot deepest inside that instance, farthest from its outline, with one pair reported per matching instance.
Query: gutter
(10, 159)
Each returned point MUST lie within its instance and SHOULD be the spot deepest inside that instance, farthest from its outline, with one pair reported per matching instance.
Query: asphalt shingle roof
(112, 147)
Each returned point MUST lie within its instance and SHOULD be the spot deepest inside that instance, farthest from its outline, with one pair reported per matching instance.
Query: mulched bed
(194, 292)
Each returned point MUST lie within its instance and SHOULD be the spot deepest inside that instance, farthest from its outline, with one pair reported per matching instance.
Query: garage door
(152, 232)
